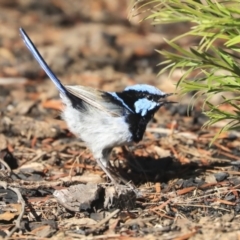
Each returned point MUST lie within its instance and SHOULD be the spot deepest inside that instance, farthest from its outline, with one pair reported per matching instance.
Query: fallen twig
(105, 220)
(18, 221)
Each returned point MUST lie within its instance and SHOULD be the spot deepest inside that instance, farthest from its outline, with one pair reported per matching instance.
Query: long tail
(41, 61)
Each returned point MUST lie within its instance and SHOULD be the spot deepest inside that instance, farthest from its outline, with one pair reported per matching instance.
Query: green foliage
(214, 61)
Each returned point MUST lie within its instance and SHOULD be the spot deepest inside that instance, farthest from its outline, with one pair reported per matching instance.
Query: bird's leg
(104, 164)
(119, 188)
(102, 160)
(104, 168)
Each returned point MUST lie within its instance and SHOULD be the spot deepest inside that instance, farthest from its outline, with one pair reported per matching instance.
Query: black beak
(169, 94)
(164, 101)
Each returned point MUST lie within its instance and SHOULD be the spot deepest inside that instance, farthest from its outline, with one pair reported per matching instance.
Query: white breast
(98, 129)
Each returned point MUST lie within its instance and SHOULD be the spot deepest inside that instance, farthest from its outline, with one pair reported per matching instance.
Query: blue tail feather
(41, 61)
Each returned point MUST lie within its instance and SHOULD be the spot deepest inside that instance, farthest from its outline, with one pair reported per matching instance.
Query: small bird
(104, 120)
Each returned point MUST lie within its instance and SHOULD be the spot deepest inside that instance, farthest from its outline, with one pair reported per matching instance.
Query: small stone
(230, 197)
(78, 197)
(97, 216)
(221, 176)
(237, 208)
(135, 226)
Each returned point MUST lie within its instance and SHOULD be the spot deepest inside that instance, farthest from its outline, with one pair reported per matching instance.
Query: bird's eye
(149, 97)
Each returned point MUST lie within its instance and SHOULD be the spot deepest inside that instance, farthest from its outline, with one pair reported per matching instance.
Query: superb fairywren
(104, 120)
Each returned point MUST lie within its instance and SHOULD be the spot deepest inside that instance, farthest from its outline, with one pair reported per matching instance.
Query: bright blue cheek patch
(143, 105)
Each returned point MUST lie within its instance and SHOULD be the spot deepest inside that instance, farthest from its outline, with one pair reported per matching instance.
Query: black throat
(137, 123)
(137, 126)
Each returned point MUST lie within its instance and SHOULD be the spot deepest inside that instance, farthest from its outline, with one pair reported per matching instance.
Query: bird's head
(144, 99)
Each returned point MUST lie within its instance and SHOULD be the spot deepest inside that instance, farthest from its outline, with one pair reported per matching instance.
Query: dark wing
(98, 99)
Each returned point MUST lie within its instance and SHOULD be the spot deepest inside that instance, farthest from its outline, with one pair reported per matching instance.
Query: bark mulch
(50, 185)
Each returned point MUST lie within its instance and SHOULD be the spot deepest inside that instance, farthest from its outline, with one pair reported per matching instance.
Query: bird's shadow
(141, 169)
